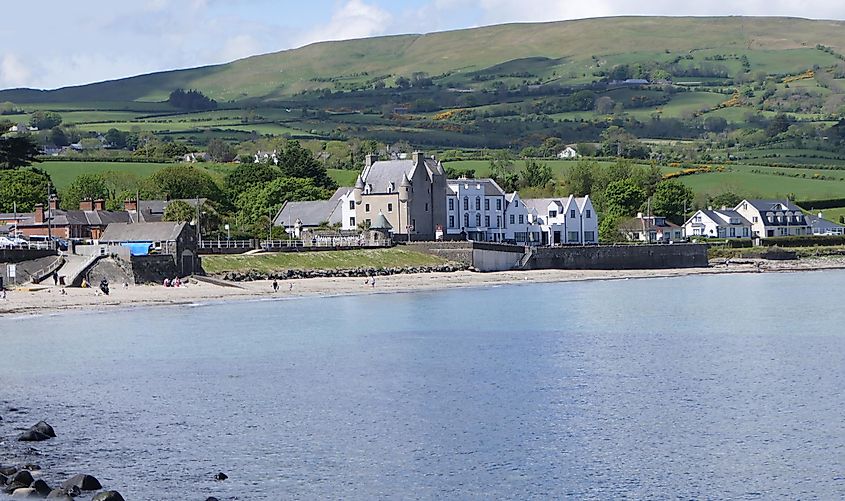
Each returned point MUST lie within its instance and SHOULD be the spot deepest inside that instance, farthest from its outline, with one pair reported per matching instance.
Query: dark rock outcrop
(221, 476)
(33, 436)
(248, 276)
(108, 496)
(41, 488)
(43, 427)
(8, 470)
(22, 477)
(60, 494)
(83, 483)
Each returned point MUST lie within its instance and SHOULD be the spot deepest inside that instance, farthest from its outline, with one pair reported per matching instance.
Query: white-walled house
(568, 153)
(774, 218)
(567, 221)
(476, 209)
(820, 226)
(520, 226)
(720, 223)
(651, 229)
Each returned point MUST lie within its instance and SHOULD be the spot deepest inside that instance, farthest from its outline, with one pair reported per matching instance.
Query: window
(352, 222)
(573, 236)
(451, 221)
(498, 221)
(366, 207)
(487, 221)
(426, 206)
(451, 204)
(516, 203)
(478, 220)
(466, 219)
(754, 219)
(552, 213)
(498, 204)
(572, 213)
(512, 219)
(389, 207)
(477, 203)
(352, 204)
(589, 214)
(521, 219)
(466, 203)
(745, 232)
(589, 236)
(486, 204)
(369, 222)
(733, 231)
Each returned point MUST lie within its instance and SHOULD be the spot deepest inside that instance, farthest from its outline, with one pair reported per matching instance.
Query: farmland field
(63, 172)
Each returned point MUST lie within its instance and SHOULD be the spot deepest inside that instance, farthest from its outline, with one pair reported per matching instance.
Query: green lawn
(63, 172)
(749, 184)
(343, 177)
(375, 258)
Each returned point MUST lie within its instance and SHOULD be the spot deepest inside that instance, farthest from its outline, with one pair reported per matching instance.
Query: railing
(28, 246)
(227, 244)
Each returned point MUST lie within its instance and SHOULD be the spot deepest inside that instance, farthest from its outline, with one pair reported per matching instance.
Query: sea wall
(153, 268)
(498, 257)
(457, 252)
(619, 257)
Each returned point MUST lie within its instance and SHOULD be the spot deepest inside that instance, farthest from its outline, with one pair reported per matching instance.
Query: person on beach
(55, 278)
(367, 281)
(373, 282)
(167, 282)
(275, 285)
(290, 288)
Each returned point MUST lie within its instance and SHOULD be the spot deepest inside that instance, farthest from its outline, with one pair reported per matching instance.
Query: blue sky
(54, 43)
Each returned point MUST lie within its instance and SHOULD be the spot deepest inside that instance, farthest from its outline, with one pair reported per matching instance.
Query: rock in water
(83, 483)
(44, 428)
(59, 494)
(8, 470)
(32, 436)
(221, 476)
(41, 488)
(22, 477)
(211, 498)
(108, 496)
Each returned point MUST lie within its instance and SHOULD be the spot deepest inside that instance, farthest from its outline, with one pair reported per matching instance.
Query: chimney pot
(54, 202)
(99, 204)
(86, 204)
(39, 213)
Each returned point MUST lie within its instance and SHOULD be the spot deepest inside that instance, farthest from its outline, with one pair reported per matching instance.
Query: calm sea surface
(708, 387)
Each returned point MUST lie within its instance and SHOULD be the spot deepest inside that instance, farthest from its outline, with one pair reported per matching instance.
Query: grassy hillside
(563, 51)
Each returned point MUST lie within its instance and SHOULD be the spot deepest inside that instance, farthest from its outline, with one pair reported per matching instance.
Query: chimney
(639, 215)
(130, 205)
(39, 213)
(99, 204)
(86, 204)
(724, 207)
(54, 202)
(419, 158)
(709, 207)
(370, 160)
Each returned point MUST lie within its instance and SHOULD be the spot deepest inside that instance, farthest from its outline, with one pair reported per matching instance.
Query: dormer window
(391, 187)
(552, 213)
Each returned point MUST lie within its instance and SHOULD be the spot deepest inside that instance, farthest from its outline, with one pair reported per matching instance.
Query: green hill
(566, 52)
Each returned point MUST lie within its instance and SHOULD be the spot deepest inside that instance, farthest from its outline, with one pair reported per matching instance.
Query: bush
(804, 241)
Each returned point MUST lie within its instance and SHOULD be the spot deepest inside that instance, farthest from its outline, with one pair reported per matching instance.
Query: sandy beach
(46, 299)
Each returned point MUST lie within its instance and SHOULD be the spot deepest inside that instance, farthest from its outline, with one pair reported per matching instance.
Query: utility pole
(49, 214)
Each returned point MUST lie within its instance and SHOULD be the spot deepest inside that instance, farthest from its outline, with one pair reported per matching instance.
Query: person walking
(55, 278)
(275, 285)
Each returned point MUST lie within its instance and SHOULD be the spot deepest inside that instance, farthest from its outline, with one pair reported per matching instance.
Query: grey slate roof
(310, 213)
(821, 223)
(339, 193)
(541, 204)
(723, 217)
(81, 218)
(142, 232)
(491, 188)
(383, 172)
(381, 223)
(151, 211)
(767, 205)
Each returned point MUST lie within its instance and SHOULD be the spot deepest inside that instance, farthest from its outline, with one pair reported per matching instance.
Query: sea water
(696, 387)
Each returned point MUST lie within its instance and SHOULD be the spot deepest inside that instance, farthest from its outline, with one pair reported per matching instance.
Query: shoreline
(47, 300)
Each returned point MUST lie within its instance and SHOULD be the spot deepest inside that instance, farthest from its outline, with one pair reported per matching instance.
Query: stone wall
(25, 268)
(153, 268)
(458, 252)
(619, 257)
(114, 270)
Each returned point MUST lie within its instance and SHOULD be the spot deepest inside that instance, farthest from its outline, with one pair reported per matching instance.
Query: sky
(56, 43)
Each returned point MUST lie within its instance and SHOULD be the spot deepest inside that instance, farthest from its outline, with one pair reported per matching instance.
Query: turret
(404, 188)
(358, 190)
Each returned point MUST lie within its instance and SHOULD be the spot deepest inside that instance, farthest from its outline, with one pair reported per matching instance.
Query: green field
(343, 177)
(324, 260)
(63, 172)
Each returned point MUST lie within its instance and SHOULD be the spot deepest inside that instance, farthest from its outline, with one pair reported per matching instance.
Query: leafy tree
(503, 172)
(85, 186)
(247, 175)
(671, 199)
(45, 119)
(185, 181)
(116, 138)
(24, 188)
(778, 124)
(17, 151)
(609, 228)
(58, 137)
(296, 161)
(726, 199)
(647, 178)
(616, 141)
(8, 108)
(623, 197)
(715, 124)
(580, 177)
(179, 211)
(191, 100)
(220, 151)
(536, 173)
(261, 200)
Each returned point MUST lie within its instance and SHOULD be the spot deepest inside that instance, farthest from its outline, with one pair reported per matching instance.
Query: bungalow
(721, 223)
(774, 218)
(571, 221)
(820, 226)
(650, 229)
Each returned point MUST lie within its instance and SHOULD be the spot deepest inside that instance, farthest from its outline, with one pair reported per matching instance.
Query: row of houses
(417, 200)
(749, 219)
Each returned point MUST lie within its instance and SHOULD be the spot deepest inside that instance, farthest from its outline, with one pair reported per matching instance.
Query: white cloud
(354, 19)
(13, 72)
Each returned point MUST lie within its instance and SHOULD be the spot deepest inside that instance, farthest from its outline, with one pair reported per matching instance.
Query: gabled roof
(822, 223)
(491, 188)
(723, 217)
(648, 223)
(383, 172)
(772, 205)
(312, 213)
(541, 204)
(143, 232)
(340, 193)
